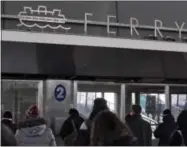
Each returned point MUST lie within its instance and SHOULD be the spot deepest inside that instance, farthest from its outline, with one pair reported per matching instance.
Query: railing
(153, 123)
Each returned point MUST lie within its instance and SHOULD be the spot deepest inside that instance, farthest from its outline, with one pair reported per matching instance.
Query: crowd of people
(101, 128)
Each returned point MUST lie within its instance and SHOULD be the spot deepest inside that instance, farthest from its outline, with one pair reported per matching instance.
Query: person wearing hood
(179, 136)
(83, 138)
(7, 120)
(165, 129)
(34, 131)
(109, 130)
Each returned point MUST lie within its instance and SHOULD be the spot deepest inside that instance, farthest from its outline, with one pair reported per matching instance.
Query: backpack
(70, 139)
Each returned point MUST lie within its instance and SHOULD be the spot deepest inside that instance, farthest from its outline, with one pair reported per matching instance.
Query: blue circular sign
(60, 92)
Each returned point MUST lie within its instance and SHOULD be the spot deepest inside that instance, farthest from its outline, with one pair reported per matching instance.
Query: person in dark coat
(127, 117)
(165, 129)
(7, 136)
(67, 127)
(179, 137)
(7, 120)
(109, 130)
(83, 138)
(140, 128)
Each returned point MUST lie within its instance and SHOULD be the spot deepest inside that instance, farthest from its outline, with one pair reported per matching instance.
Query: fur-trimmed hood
(34, 132)
(33, 127)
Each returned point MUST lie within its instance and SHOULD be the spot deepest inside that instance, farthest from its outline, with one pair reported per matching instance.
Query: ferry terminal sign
(43, 18)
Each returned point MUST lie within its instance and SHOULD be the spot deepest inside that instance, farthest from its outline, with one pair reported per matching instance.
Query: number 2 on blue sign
(60, 92)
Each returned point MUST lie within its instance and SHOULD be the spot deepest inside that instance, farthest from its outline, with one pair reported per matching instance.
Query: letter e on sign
(60, 93)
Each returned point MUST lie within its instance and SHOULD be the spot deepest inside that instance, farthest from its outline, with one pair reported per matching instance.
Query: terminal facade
(65, 54)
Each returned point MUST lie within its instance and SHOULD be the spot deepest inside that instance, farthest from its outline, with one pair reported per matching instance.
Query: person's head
(73, 112)
(32, 112)
(166, 112)
(7, 115)
(107, 125)
(182, 120)
(100, 104)
(136, 109)
(167, 116)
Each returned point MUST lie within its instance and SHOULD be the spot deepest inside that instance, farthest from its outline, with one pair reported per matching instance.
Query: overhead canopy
(53, 60)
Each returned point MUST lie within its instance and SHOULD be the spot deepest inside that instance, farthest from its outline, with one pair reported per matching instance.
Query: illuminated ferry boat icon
(42, 18)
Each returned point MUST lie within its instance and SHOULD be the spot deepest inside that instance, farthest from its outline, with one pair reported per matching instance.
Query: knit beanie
(33, 111)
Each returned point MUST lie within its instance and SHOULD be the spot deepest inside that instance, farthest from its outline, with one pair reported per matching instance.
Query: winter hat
(166, 112)
(33, 111)
(7, 114)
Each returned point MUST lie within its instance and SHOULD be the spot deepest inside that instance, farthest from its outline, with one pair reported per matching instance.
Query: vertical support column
(45, 105)
(167, 97)
(41, 99)
(122, 102)
(116, 103)
(102, 94)
(137, 98)
(128, 101)
(75, 91)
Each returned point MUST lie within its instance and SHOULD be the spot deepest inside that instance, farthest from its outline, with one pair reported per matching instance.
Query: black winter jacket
(10, 125)
(67, 127)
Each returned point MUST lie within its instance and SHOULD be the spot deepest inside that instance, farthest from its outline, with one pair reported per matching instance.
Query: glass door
(17, 96)
(89, 91)
(152, 100)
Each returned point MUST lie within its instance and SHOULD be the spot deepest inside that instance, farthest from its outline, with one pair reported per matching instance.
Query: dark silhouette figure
(179, 137)
(165, 129)
(108, 130)
(139, 127)
(7, 136)
(83, 138)
(67, 127)
(7, 120)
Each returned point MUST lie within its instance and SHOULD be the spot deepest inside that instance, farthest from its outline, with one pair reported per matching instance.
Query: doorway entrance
(17, 96)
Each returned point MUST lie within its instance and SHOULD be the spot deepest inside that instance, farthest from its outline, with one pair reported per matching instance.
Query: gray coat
(34, 133)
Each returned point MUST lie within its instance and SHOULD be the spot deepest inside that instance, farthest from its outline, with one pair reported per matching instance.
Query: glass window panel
(98, 95)
(182, 100)
(110, 97)
(91, 95)
(83, 98)
(174, 99)
(89, 102)
(143, 102)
